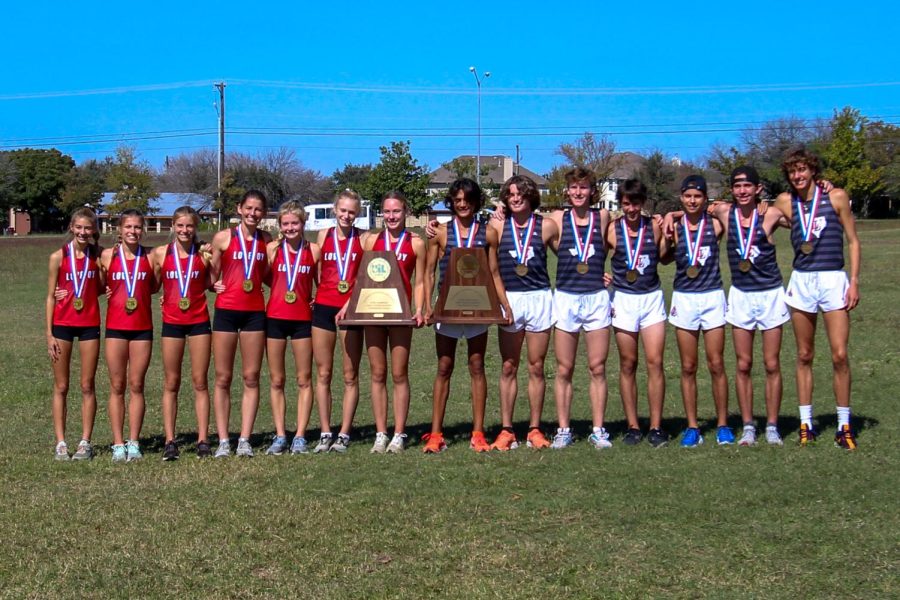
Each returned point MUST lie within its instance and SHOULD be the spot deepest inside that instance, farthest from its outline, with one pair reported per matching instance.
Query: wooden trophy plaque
(467, 294)
(379, 296)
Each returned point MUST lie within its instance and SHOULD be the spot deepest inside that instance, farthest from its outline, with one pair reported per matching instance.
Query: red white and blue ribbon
(291, 271)
(693, 247)
(247, 258)
(632, 254)
(473, 230)
(582, 247)
(522, 245)
(745, 245)
(130, 282)
(77, 280)
(342, 262)
(806, 224)
(400, 240)
(184, 279)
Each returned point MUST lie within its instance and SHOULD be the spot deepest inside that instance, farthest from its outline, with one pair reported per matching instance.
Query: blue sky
(359, 75)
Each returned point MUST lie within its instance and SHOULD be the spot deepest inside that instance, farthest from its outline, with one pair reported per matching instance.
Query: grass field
(628, 522)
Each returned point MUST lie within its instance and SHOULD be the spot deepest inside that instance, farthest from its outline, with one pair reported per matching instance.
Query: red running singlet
(117, 317)
(327, 293)
(406, 258)
(278, 307)
(64, 312)
(234, 297)
(196, 293)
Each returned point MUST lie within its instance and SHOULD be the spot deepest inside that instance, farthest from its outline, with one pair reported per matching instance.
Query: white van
(321, 216)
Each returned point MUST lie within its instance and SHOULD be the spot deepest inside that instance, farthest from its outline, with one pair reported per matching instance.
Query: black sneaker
(658, 438)
(203, 450)
(170, 452)
(632, 437)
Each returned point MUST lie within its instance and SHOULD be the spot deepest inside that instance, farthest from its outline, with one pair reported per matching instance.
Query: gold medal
(184, 304)
(631, 275)
(290, 296)
(521, 270)
(745, 266)
(78, 304)
(806, 247)
(693, 271)
(131, 304)
(582, 268)
(343, 287)
(248, 285)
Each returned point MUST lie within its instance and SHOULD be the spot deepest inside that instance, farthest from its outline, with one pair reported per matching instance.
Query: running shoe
(773, 438)
(748, 436)
(244, 448)
(536, 439)
(324, 445)
(808, 435)
(506, 440)
(398, 443)
(118, 453)
(724, 436)
(299, 446)
(844, 438)
(477, 442)
(84, 451)
(632, 437)
(62, 452)
(658, 438)
(381, 443)
(203, 449)
(434, 442)
(224, 449)
(600, 439)
(133, 449)
(341, 444)
(170, 452)
(691, 438)
(562, 439)
(279, 446)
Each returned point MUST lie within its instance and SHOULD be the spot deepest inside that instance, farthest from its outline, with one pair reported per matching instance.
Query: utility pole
(221, 166)
(517, 160)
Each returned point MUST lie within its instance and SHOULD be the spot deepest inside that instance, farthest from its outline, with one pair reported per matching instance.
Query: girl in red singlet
(184, 272)
(341, 254)
(292, 264)
(74, 269)
(129, 331)
(410, 252)
(239, 266)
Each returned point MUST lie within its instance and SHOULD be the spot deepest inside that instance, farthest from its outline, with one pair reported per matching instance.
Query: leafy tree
(132, 182)
(8, 177)
(597, 154)
(40, 176)
(846, 163)
(883, 151)
(723, 161)
(461, 166)
(658, 174)
(398, 170)
(765, 146)
(352, 177)
(85, 185)
(557, 183)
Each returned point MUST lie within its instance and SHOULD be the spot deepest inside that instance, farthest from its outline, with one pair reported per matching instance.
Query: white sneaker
(773, 438)
(224, 449)
(341, 444)
(600, 439)
(85, 451)
(381, 443)
(324, 445)
(398, 443)
(62, 452)
(244, 448)
(562, 439)
(748, 437)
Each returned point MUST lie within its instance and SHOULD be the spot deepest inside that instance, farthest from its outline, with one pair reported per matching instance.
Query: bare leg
(837, 326)
(303, 364)
(351, 344)
(654, 340)
(224, 346)
(627, 343)
(445, 347)
(60, 388)
(275, 349)
(172, 355)
(597, 343)
(511, 354)
(139, 360)
(323, 342)
(476, 347)
(687, 348)
(400, 342)
(772, 359)
(376, 346)
(805, 334)
(253, 347)
(743, 376)
(714, 344)
(116, 351)
(90, 353)
(565, 344)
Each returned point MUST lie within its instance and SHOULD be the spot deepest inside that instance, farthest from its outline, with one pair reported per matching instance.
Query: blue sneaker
(278, 447)
(562, 439)
(299, 445)
(133, 450)
(118, 453)
(724, 436)
(691, 438)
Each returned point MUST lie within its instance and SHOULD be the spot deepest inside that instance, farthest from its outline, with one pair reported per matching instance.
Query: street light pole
(478, 156)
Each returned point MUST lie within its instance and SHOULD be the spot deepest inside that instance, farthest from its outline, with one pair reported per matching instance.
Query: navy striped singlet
(568, 279)
(645, 264)
(764, 274)
(537, 277)
(709, 278)
(827, 237)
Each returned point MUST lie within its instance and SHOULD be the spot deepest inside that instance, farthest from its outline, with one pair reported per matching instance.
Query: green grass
(629, 522)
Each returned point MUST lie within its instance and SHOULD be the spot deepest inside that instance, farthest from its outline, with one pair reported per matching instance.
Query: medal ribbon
(400, 240)
(524, 244)
(473, 230)
(632, 254)
(745, 245)
(582, 248)
(693, 248)
(291, 274)
(77, 281)
(806, 225)
(184, 280)
(130, 282)
(343, 262)
(247, 259)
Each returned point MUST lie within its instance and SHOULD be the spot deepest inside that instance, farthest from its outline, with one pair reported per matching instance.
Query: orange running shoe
(478, 443)
(434, 443)
(536, 439)
(506, 440)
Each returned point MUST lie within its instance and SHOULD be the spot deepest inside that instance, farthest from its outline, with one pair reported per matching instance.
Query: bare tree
(597, 154)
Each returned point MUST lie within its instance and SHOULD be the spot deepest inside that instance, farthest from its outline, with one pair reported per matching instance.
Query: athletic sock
(598, 430)
(806, 415)
(843, 416)
(565, 429)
